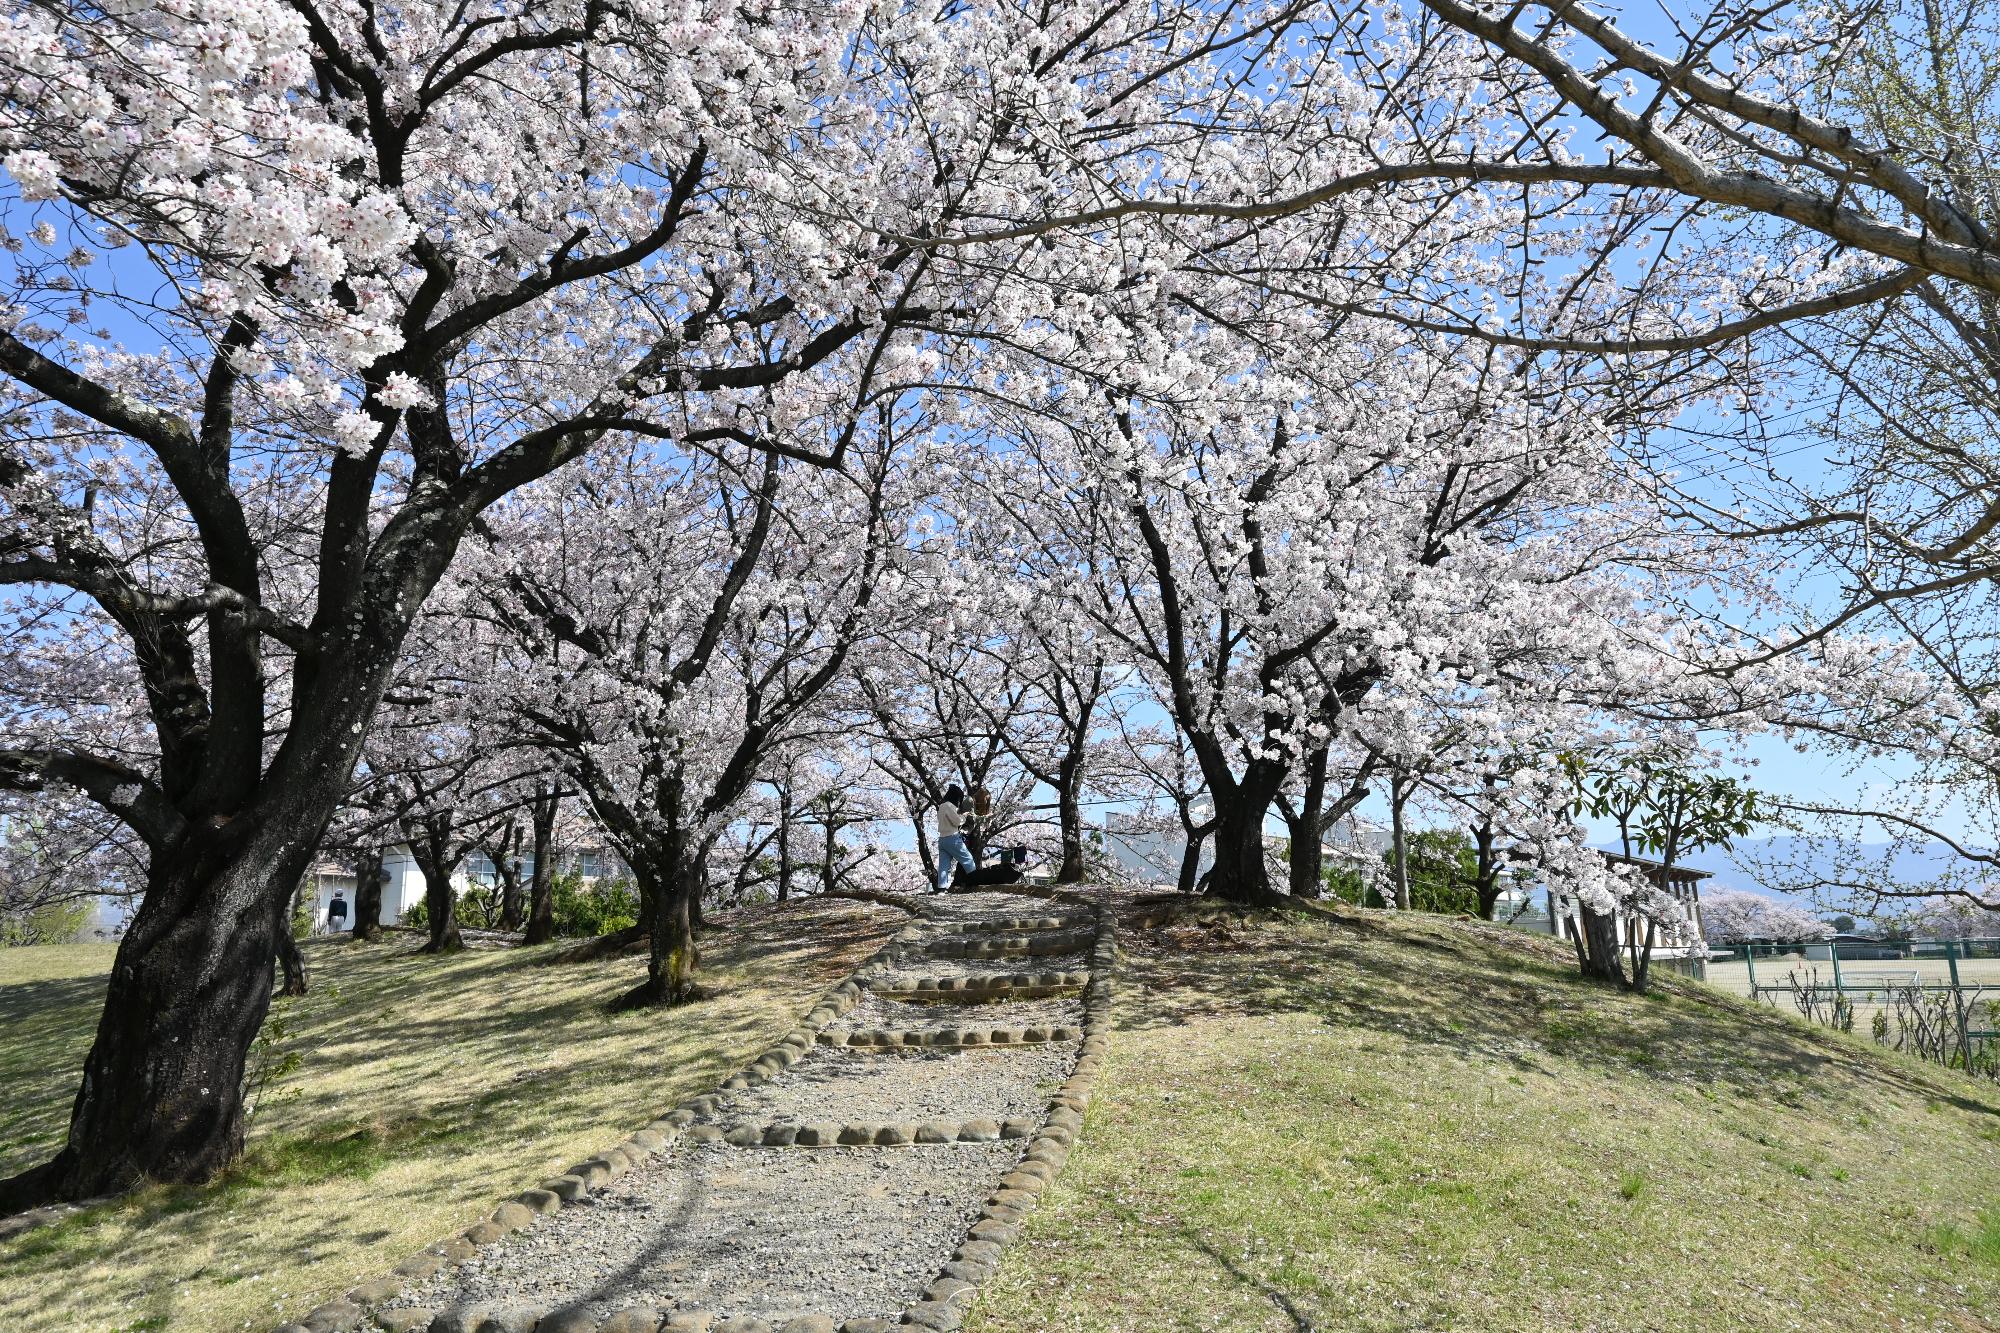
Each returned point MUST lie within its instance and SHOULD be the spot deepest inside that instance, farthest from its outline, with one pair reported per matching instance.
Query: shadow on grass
(1475, 987)
(46, 1028)
(370, 1033)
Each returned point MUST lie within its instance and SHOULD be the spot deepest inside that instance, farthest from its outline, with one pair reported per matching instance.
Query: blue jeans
(952, 854)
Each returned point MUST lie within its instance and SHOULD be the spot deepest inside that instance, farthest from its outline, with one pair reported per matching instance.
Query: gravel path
(879, 1011)
(976, 909)
(779, 1232)
(902, 1087)
(847, 1232)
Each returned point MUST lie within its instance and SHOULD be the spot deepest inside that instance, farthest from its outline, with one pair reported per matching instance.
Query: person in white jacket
(952, 853)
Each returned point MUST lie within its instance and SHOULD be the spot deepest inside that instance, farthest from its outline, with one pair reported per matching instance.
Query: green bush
(57, 923)
(1347, 884)
(1443, 869)
(581, 908)
(584, 909)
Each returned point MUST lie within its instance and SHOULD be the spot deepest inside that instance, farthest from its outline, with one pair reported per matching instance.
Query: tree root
(646, 996)
(604, 946)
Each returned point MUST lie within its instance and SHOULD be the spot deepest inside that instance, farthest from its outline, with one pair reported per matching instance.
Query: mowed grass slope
(1379, 1123)
(429, 1090)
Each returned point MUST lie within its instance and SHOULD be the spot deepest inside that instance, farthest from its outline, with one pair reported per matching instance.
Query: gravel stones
(853, 1232)
(887, 1012)
(900, 1087)
(695, 1222)
(946, 975)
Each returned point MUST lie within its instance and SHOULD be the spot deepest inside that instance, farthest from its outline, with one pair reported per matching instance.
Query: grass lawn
(1419, 1123)
(429, 1089)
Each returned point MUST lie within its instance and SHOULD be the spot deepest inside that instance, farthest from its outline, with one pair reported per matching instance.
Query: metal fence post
(1833, 952)
(1750, 959)
(1958, 1007)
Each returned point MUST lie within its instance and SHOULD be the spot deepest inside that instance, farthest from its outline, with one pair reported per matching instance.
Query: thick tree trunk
(1486, 881)
(1239, 874)
(1069, 817)
(1305, 825)
(441, 911)
(1307, 860)
(1600, 946)
(428, 846)
(513, 902)
(162, 1091)
(368, 896)
(541, 897)
(675, 958)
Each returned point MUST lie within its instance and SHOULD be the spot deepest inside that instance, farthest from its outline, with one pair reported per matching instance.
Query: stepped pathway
(861, 1176)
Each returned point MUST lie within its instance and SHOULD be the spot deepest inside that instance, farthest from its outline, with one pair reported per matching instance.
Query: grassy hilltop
(1359, 1123)
(429, 1088)
(1422, 1123)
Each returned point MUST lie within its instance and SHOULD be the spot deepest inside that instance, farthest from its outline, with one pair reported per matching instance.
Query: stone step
(1046, 944)
(1005, 924)
(826, 1134)
(980, 986)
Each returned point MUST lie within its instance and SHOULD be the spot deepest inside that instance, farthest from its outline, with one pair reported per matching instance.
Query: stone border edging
(983, 985)
(345, 1313)
(1043, 944)
(945, 1300)
(785, 1134)
(889, 1039)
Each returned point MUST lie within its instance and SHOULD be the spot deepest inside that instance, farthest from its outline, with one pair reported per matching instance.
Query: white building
(1680, 943)
(403, 884)
(1145, 850)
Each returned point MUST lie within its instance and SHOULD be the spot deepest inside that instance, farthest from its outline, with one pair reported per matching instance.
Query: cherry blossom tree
(1733, 916)
(666, 628)
(409, 260)
(946, 706)
(1278, 569)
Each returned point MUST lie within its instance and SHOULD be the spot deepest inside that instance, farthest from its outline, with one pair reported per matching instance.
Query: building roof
(1656, 870)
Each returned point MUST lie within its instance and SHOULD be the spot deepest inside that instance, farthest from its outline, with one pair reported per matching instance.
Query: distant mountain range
(1765, 865)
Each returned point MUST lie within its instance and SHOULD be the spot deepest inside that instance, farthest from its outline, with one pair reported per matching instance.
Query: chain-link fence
(1939, 999)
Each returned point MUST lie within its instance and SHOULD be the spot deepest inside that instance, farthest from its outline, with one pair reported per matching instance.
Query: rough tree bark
(1069, 816)
(1486, 879)
(541, 897)
(289, 958)
(671, 881)
(1597, 947)
(431, 845)
(1306, 824)
(161, 1096)
(368, 895)
(1239, 874)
